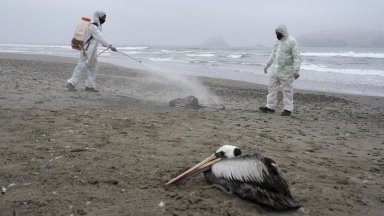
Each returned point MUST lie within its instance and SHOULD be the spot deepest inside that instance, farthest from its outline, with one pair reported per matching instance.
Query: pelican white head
(227, 151)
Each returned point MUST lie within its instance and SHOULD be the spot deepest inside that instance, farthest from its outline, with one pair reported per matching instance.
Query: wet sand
(111, 152)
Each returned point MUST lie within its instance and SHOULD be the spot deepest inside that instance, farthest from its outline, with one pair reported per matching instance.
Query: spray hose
(102, 52)
(90, 62)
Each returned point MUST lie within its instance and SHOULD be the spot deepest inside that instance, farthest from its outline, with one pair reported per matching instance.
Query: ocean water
(341, 70)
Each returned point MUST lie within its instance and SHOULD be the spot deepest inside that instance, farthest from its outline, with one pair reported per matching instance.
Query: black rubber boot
(91, 89)
(286, 113)
(266, 110)
(71, 87)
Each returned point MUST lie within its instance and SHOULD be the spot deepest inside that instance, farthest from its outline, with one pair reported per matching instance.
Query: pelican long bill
(198, 168)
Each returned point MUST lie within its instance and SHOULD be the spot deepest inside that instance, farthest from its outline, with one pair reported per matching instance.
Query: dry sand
(110, 153)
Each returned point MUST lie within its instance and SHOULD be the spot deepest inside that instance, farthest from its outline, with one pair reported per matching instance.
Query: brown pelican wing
(253, 177)
(240, 169)
(253, 169)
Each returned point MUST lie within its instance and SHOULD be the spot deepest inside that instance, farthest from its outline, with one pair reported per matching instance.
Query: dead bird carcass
(193, 102)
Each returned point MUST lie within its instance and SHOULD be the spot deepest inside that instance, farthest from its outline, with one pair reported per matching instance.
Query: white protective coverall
(88, 63)
(285, 61)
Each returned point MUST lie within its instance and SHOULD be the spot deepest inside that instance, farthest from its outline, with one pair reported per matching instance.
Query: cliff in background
(215, 42)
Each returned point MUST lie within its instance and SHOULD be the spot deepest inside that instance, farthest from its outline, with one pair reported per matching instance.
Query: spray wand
(120, 53)
(129, 56)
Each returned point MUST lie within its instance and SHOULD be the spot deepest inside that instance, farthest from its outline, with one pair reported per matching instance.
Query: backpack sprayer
(78, 43)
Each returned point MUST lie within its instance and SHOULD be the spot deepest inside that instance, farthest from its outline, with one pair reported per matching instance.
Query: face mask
(279, 36)
(102, 20)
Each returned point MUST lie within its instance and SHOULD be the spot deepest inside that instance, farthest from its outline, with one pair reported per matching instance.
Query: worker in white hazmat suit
(285, 62)
(88, 62)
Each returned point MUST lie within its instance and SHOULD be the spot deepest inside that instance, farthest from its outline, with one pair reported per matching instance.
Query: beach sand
(111, 152)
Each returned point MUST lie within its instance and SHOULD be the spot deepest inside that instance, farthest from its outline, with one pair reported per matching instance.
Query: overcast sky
(185, 22)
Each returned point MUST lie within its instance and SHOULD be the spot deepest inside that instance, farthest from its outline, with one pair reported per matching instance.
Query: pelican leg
(220, 187)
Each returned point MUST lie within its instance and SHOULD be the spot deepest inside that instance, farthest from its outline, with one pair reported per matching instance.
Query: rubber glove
(266, 69)
(296, 74)
(112, 48)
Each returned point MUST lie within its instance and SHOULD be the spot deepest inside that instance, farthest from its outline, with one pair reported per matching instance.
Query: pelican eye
(237, 152)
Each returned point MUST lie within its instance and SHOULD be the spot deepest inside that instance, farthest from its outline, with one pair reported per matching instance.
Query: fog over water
(182, 22)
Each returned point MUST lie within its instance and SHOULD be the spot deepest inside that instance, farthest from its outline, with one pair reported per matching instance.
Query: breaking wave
(235, 56)
(201, 55)
(345, 54)
(133, 48)
(323, 68)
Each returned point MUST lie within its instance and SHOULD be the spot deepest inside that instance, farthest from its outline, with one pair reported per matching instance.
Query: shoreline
(111, 152)
(53, 58)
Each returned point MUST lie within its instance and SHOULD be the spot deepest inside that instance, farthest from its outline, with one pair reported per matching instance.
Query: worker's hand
(266, 69)
(296, 75)
(113, 48)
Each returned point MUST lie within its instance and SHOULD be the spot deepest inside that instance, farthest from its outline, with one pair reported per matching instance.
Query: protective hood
(97, 15)
(285, 55)
(95, 33)
(282, 29)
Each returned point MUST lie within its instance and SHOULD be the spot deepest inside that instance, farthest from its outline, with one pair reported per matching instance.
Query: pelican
(253, 177)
